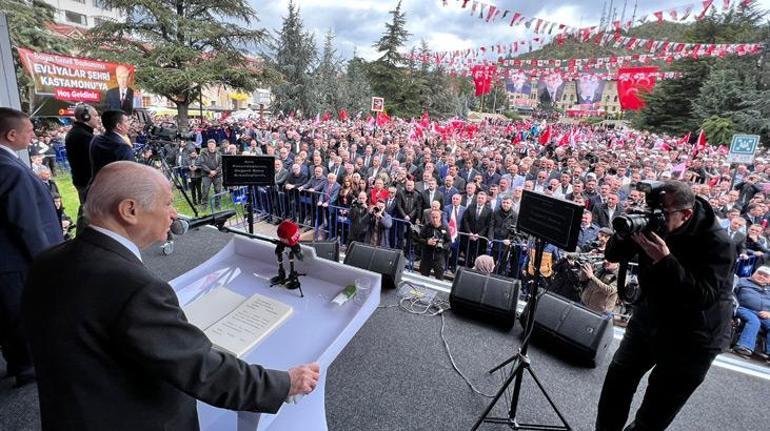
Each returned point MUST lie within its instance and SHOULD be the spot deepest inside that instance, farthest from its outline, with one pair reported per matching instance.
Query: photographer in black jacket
(435, 241)
(683, 318)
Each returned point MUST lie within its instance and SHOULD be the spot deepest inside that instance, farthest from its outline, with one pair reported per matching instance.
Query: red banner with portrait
(61, 83)
(633, 82)
(483, 76)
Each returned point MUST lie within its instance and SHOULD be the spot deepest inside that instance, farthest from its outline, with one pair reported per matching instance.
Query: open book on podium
(235, 323)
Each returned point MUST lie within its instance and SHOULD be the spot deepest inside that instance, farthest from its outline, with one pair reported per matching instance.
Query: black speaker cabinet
(487, 297)
(388, 262)
(329, 250)
(580, 334)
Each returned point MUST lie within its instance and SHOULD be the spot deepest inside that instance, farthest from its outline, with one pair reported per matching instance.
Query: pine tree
(387, 74)
(295, 56)
(181, 47)
(357, 90)
(327, 77)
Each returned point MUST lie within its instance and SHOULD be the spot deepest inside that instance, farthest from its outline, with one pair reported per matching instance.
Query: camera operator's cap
(764, 269)
(606, 231)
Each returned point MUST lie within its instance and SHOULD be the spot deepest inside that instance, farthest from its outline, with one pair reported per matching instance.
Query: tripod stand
(167, 248)
(522, 363)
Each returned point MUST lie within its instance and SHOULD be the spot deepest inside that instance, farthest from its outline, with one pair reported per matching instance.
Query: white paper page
(212, 307)
(245, 327)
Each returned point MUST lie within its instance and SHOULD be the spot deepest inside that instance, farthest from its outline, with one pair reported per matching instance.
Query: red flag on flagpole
(343, 115)
(545, 137)
(700, 145)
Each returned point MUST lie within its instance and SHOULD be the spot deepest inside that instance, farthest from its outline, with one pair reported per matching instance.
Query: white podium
(316, 332)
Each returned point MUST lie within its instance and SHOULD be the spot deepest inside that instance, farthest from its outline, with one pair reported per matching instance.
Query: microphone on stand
(179, 226)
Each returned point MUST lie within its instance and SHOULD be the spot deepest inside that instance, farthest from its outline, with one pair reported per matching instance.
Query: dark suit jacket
(28, 220)
(738, 242)
(437, 196)
(478, 225)
(77, 141)
(107, 148)
(602, 217)
(113, 350)
(113, 100)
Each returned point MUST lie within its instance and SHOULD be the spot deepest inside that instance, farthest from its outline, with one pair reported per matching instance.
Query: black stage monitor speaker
(487, 297)
(388, 262)
(329, 250)
(570, 328)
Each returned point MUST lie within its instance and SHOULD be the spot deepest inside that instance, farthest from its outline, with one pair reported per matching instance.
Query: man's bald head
(119, 181)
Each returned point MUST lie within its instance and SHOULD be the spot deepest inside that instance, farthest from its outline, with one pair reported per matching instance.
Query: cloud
(358, 24)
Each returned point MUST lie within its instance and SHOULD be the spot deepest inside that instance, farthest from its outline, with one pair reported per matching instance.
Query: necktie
(478, 213)
(122, 95)
(431, 197)
(454, 213)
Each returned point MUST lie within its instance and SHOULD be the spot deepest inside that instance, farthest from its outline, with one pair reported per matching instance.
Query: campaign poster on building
(519, 84)
(553, 85)
(590, 89)
(61, 83)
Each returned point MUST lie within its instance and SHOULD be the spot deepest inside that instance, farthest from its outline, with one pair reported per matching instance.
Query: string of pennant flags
(493, 14)
(658, 49)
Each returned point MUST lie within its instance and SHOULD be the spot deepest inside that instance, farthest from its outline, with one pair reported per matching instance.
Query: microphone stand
(292, 281)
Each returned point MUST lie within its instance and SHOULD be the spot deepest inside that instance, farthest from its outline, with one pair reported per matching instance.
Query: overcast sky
(359, 23)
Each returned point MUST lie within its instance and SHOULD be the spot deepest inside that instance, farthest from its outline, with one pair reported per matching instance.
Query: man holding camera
(435, 239)
(682, 320)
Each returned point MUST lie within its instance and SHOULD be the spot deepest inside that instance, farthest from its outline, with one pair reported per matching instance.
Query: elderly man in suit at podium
(112, 348)
(28, 226)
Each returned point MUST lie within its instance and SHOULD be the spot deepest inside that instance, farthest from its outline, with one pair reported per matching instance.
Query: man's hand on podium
(304, 379)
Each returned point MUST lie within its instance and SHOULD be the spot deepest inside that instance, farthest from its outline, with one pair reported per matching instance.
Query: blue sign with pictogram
(742, 148)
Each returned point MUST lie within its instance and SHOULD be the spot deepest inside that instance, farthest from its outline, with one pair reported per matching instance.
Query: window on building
(100, 20)
(80, 1)
(146, 101)
(98, 4)
(74, 17)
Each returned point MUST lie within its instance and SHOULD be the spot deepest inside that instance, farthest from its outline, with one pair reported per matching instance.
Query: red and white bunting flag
(474, 6)
(686, 13)
(517, 19)
(706, 6)
(465, 3)
(673, 14)
(659, 15)
(725, 5)
(492, 10)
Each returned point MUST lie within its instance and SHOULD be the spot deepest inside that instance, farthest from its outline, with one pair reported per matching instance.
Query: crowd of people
(448, 192)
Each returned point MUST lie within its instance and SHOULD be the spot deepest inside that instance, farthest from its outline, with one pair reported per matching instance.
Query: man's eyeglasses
(668, 213)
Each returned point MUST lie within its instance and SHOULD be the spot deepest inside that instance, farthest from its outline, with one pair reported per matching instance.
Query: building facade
(84, 13)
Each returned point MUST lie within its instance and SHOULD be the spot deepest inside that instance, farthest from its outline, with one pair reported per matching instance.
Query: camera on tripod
(648, 218)
(168, 132)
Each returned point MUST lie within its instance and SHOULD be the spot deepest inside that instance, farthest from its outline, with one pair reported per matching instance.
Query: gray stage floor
(395, 374)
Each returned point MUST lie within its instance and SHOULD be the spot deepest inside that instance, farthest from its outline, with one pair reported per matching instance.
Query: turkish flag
(382, 118)
(343, 115)
(545, 137)
(482, 78)
(632, 83)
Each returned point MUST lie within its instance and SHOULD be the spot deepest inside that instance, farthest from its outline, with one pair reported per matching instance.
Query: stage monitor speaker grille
(487, 297)
(388, 262)
(571, 329)
(329, 250)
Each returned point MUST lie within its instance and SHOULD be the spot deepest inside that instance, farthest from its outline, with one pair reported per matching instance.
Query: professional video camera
(167, 131)
(649, 218)
(577, 260)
